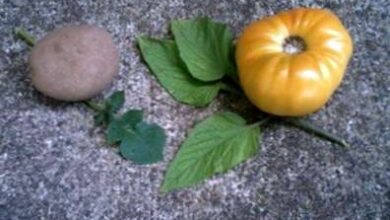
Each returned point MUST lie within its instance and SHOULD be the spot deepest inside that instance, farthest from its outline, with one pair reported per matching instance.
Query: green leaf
(106, 109)
(118, 128)
(140, 142)
(205, 46)
(115, 101)
(215, 145)
(163, 59)
(143, 145)
(101, 118)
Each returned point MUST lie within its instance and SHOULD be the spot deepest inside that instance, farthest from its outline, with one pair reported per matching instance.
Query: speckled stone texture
(55, 164)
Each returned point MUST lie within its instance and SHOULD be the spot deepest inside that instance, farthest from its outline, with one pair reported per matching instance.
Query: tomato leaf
(115, 101)
(163, 59)
(138, 141)
(101, 118)
(118, 128)
(105, 109)
(144, 144)
(205, 46)
(215, 145)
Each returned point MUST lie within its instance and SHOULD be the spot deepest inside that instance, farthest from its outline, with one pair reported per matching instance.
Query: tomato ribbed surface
(293, 84)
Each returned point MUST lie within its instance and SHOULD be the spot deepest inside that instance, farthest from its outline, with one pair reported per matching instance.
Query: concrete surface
(54, 163)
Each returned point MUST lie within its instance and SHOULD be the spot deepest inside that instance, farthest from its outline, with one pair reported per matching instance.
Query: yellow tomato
(293, 84)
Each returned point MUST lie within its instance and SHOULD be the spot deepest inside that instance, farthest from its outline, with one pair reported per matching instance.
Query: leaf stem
(23, 35)
(309, 127)
(95, 106)
(263, 121)
(231, 89)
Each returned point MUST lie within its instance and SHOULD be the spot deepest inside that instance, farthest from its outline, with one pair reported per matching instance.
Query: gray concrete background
(54, 163)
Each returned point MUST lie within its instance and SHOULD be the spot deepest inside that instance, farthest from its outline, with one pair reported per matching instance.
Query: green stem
(95, 106)
(231, 89)
(317, 131)
(23, 35)
(263, 121)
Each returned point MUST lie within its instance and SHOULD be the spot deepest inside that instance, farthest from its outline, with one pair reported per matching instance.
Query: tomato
(288, 83)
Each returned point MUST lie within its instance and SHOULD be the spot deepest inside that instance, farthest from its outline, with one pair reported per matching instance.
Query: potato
(74, 62)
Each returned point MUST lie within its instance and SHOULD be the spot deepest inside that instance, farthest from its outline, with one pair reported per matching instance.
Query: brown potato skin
(74, 63)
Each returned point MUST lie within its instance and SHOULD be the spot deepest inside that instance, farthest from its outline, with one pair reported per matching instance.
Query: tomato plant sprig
(194, 67)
